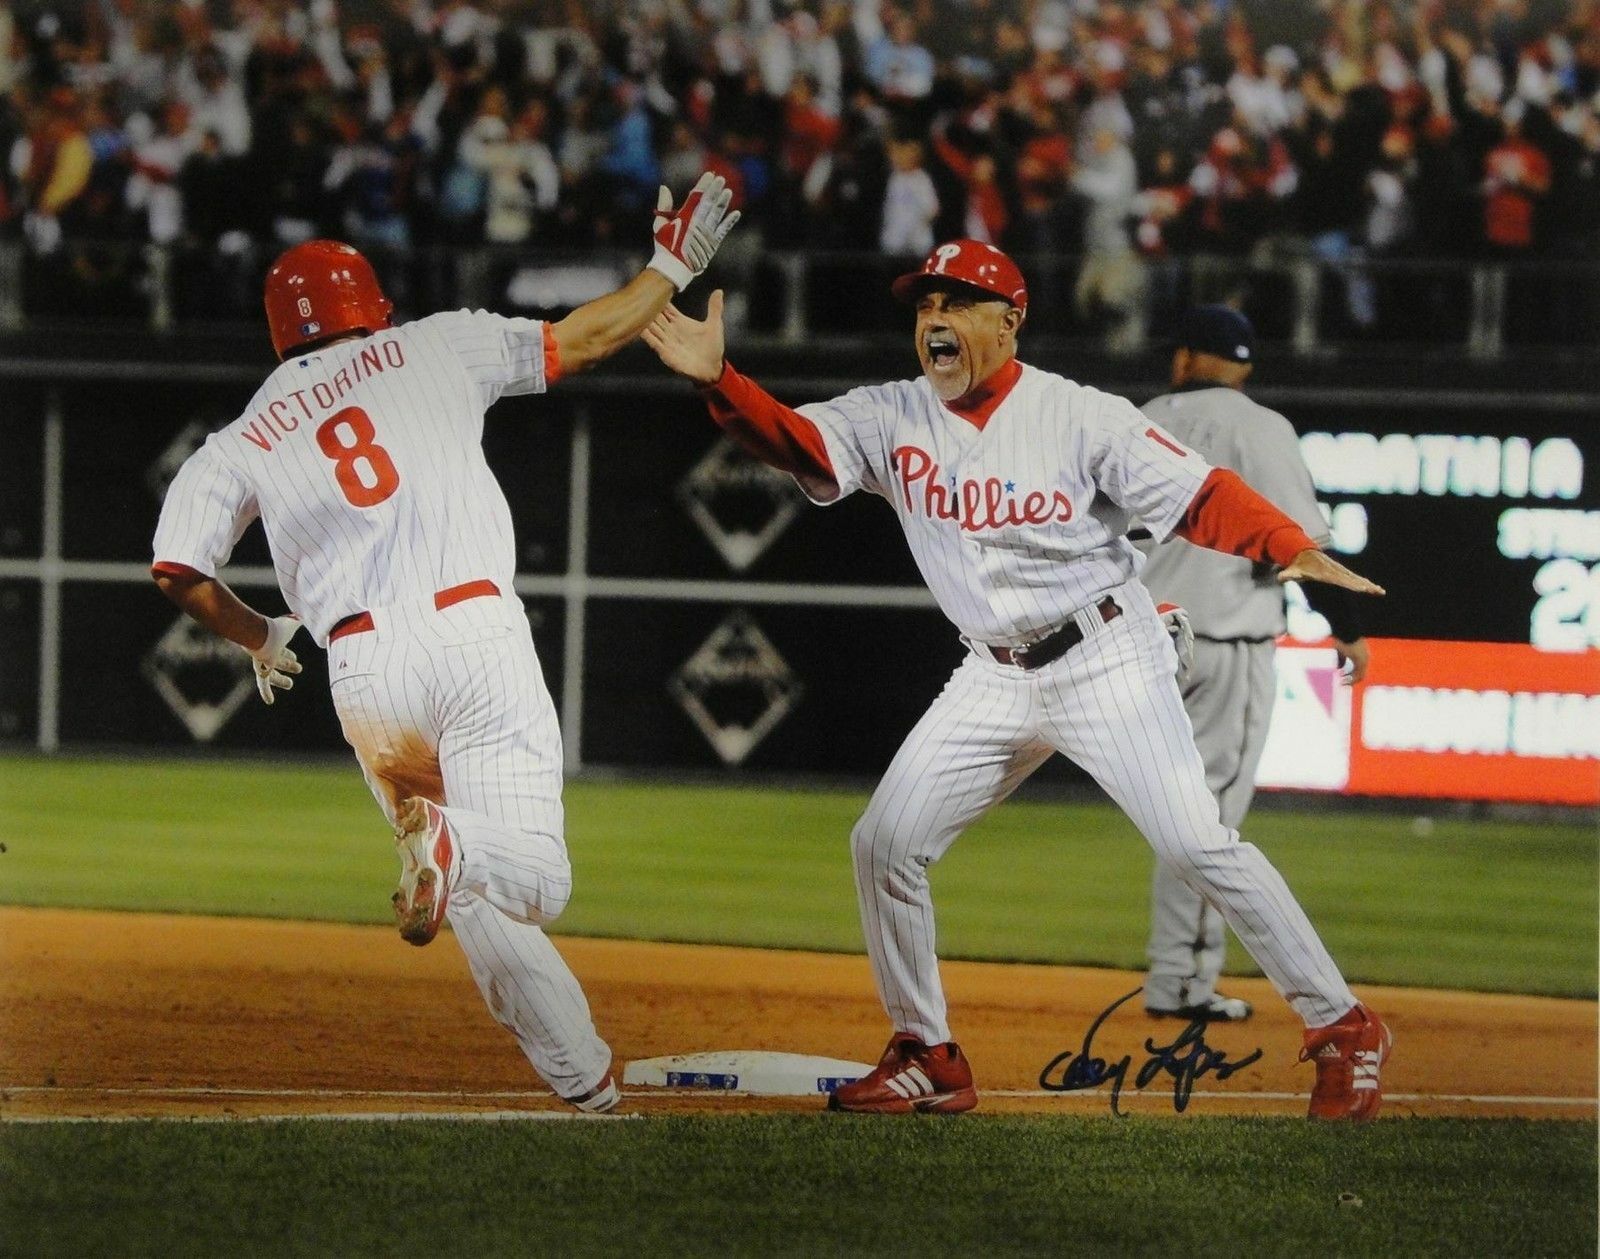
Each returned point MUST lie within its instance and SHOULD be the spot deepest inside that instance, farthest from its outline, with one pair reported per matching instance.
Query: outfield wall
(693, 612)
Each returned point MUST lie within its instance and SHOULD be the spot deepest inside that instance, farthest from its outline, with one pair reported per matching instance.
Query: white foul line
(1128, 1095)
(648, 1094)
(179, 1091)
(1225, 1094)
(371, 1116)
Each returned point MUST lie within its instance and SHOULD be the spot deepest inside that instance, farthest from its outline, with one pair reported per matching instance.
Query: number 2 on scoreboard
(363, 468)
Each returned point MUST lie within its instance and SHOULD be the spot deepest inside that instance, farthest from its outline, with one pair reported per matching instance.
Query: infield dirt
(149, 1015)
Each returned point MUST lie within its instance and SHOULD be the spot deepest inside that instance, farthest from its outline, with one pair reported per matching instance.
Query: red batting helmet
(319, 290)
(969, 262)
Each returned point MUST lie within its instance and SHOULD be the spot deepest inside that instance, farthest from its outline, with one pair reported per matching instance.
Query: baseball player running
(1235, 611)
(392, 541)
(1015, 488)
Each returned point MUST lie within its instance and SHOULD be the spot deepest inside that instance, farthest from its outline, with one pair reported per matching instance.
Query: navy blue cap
(1219, 330)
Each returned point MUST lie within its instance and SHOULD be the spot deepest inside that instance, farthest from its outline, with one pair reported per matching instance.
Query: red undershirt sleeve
(1227, 515)
(770, 431)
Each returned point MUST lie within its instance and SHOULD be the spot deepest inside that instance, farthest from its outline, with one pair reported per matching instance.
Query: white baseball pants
(1112, 705)
(451, 705)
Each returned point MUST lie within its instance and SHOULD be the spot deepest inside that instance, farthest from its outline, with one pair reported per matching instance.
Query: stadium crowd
(1118, 131)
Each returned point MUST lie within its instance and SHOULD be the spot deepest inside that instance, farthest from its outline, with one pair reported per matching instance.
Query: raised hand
(687, 238)
(690, 347)
(1314, 565)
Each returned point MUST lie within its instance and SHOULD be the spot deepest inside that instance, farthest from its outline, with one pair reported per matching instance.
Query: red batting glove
(687, 238)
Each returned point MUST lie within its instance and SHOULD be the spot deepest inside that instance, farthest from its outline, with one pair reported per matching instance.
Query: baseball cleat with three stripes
(911, 1077)
(601, 1098)
(1349, 1055)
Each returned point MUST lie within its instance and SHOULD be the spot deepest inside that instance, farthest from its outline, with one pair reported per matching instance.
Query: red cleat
(911, 1077)
(428, 865)
(1348, 1055)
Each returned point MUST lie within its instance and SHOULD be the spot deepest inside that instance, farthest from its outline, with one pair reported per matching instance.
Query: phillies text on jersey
(1018, 524)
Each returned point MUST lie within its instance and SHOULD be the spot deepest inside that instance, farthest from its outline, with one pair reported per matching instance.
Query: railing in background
(1298, 298)
(692, 613)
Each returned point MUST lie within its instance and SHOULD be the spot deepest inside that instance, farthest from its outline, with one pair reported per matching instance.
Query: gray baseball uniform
(1236, 608)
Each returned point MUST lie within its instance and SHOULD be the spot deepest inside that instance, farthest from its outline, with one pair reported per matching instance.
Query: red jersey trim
(980, 402)
(483, 588)
(552, 358)
(169, 568)
(1227, 515)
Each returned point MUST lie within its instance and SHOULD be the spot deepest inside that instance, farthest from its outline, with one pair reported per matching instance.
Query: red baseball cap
(969, 262)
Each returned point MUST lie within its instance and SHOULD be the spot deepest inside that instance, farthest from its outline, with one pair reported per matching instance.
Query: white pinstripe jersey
(1017, 525)
(364, 461)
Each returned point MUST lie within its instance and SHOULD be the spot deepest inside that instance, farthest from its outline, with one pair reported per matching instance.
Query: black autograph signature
(1186, 1059)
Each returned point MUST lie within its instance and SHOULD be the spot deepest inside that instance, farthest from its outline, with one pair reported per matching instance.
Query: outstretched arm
(686, 240)
(1312, 564)
(598, 329)
(763, 426)
(1227, 515)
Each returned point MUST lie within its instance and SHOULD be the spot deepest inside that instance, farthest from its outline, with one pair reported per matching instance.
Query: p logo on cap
(972, 262)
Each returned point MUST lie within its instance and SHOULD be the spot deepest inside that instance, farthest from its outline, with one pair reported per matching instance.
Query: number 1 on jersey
(364, 486)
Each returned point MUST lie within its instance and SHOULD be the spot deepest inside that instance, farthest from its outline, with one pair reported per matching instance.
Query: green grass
(813, 1185)
(1475, 904)
(1487, 905)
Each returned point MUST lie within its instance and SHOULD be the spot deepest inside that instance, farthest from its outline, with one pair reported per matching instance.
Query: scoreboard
(1488, 536)
(1485, 529)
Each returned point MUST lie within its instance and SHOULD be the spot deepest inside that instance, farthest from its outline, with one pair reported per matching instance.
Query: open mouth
(942, 350)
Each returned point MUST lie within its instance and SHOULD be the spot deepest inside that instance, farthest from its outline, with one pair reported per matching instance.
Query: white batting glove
(687, 238)
(274, 662)
(1176, 622)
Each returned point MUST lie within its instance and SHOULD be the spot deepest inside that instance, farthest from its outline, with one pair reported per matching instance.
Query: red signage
(1460, 721)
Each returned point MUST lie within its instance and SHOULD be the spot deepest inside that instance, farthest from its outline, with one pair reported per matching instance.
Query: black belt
(1053, 646)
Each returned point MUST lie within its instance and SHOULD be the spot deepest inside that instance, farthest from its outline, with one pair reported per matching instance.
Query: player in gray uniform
(1236, 610)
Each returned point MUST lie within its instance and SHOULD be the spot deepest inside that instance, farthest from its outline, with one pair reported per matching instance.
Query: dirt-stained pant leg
(1113, 706)
(1228, 695)
(453, 706)
(970, 750)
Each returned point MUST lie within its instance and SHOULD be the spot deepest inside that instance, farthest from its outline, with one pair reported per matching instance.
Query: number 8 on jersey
(348, 459)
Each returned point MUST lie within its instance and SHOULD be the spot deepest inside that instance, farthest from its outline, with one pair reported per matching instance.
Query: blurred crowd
(1119, 131)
